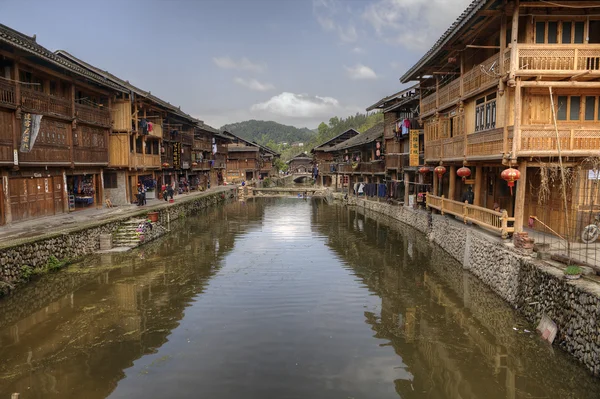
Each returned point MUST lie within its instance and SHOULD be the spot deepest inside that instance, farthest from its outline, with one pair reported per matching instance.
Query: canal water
(276, 298)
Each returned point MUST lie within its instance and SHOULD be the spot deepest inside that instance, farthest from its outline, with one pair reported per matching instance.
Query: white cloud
(360, 72)
(299, 105)
(243, 64)
(358, 50)
(414, 24)
(254, 84)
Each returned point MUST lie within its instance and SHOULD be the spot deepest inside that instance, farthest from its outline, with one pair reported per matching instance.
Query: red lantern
(511, 175)
(423, 170)
(194, 163)
(463, 172)
(165, 165)
(439, 171)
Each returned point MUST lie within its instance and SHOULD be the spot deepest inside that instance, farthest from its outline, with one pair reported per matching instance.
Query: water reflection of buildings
(454, 335)
(114, 309)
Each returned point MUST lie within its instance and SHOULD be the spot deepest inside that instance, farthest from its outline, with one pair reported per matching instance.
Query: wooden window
(565, 32)
(110, 180)
(594, 32)
(485, 112)
(138, 145)
(574, 108)
(562, 105)
(590, 108)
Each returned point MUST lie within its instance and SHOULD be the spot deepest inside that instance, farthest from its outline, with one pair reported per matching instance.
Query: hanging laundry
(405, 126)
(144, 126)
(150, 127)
(361, 188)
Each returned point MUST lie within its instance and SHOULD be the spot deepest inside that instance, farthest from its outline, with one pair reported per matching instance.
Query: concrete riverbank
(533, 287)
(21, 255)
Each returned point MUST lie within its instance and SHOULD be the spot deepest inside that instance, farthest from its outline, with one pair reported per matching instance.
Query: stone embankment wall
(80, 241)
(531, 286)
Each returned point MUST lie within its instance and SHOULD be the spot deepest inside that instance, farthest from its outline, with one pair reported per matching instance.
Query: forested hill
(265, 132)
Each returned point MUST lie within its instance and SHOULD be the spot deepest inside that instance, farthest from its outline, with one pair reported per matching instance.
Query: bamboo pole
(562, 171)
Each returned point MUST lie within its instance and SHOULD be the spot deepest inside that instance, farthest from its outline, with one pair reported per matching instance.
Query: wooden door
(17, 189)
(33, 207)
(48, 196)
(2, 205)
(58, 199)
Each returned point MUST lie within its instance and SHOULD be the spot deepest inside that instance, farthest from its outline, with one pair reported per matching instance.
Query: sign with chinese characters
(414, 148)
(176, 155)
(29, 131)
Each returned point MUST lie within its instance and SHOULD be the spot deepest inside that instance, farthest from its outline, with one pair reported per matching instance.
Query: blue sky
(297, 62)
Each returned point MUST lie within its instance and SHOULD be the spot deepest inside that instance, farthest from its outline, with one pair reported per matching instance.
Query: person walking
(468, 196)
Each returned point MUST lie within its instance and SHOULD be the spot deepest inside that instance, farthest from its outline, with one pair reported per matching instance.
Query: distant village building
(301, 163)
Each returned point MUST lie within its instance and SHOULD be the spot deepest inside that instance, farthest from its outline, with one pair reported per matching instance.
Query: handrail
(486, 218)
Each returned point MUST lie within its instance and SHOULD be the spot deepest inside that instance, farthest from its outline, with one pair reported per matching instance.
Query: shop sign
(176, 155)
(414, 148)
(30, 127)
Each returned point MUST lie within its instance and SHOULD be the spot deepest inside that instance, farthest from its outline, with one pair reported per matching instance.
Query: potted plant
(573, 272)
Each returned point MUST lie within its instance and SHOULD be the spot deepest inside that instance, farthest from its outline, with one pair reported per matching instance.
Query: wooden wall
(118, 150)
(6, 131)
(121, 115)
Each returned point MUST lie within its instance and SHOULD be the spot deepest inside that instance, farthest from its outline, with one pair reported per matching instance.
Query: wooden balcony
(487, 144)
(201, 145)
(558, 59)
(100, 116)
(201, 165)
(574, 140)
(473, 81)
(401, 161)
(187, 138)
(45, 104)
(7, 93)
(362, 168)
(483, 217)
(145, 161)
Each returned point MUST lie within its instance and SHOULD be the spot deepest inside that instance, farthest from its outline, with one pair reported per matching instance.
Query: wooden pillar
(437, 92)
(101, 186)
(65, 192)
(73, 127)
(520, 197)
(514, 36)
(16, 120)
(517, 123)
(6, 198)
(406, 187)
(478, 189)
(436, 183)
(452, 180)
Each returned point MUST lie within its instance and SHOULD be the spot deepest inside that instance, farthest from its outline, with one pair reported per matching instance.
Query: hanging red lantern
(463, 172)
(194, 163)
(424, 169)
(165, 165)
(439, 171)
(511, 175)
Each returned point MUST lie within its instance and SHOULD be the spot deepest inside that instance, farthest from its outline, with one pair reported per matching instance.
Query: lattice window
(485, 112)
(559, 32)
(52, 133)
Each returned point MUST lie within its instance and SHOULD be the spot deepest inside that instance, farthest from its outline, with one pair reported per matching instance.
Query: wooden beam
(562, 84)
(452, 181)
(478, 46)
(477, 190)
(517, 122)
(514, 36)
(559, 4)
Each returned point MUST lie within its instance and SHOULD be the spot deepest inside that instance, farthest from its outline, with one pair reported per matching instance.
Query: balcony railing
(46, 104)
(486, 218)
(187, 138)
(200, 165)
(7, 93)
(201, 145)
(489, 143)
(541, 140)
(535, 59)
(362, 167)
(94, 115)
(480, 78)
(146, 161)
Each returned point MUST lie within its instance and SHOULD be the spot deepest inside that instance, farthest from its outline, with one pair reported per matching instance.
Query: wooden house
(301, 163)
(359, 159)
(150, 141)
(515, 85)
(247, 160)
(403, 142)
(55, 164)
(324, 160)
(209, 157)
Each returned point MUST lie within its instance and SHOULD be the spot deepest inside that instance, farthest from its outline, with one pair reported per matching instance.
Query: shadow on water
(276, 297)
(457, 337)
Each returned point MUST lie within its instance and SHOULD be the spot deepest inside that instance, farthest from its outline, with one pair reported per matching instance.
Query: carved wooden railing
(201, 165)
(453, 147)
(558, 58)
(147, 161)
(35, 101)
(486, 218)
(482, 76)
(541, 139)
(94, 115)
(490, 142)
(449, 93)
(7, 93)
(428, 104)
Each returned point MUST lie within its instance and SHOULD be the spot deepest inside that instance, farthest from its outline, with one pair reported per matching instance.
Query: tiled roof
(125, 84)
(460, 22)
(245, 148)
(349, 132)
(369, 136)
(29, 44)
(394, 96)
